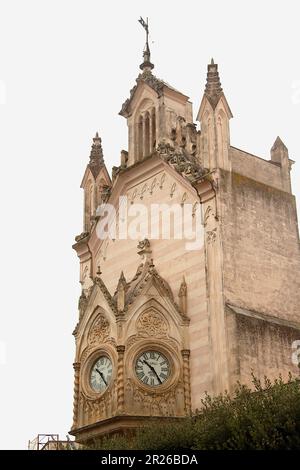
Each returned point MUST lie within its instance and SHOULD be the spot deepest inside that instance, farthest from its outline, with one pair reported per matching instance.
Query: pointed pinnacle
(278, 143)
(213, 89)
(122, 280)
(96, 156)
(212, 62)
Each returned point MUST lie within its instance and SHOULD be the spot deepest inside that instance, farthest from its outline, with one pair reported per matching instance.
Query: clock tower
(166, 311)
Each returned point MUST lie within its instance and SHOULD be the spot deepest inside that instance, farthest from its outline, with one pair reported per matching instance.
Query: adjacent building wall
(261, 247)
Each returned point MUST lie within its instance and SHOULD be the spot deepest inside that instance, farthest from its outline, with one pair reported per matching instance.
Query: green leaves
(265, 417)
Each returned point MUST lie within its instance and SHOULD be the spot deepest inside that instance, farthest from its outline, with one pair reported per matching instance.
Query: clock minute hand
(153, 370)
(102, 376)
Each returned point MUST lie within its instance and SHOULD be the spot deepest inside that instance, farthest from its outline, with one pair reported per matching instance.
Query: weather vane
(146, 65)
(145, 26)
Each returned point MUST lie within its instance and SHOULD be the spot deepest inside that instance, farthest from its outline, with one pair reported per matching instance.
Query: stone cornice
(264, 317)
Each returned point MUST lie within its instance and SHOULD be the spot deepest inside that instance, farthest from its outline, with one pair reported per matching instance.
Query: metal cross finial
(146, 65)
(145, 26)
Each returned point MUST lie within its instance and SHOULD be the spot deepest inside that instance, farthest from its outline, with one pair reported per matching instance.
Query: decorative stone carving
(106, 293)
(183, 199)
(194, 210)
(143, 190)
(120, 378)
(75, 331)
(80, 237)
(162, 180)
(173, 188)
(143, 244)
(209, 215)
(124, 158)
(115, 171)
(99, 331)
(120, 292)
(76, 367)
(93, 410)
(152, 186)
(186, 379)
(105, 193)
(183, 296)
(140, 402)
(178, 134)
(184, 163)
(144, 249)
(211, 236)
(82, 303)
(152, 323)
(143, 335)
(86, 280)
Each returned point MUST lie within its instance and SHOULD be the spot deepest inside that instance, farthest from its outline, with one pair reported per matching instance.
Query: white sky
(65, 69)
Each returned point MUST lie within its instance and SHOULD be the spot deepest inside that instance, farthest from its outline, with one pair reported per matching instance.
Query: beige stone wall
(263, 171)
(172, 261)
(261, 346)
(261, 247)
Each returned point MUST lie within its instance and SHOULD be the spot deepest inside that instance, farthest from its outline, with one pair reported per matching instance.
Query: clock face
(152, 368)
(101, 373)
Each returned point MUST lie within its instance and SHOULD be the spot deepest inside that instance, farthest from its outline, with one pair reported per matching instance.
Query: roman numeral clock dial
(152, 368)
(101, 373)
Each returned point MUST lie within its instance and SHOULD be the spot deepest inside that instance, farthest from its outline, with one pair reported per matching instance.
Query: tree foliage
(266, 418)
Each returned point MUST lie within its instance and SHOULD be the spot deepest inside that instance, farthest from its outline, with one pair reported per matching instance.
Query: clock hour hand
(102, 376)
(153, 370)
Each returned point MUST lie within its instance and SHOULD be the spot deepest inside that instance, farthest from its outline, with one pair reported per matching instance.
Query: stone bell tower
(161, 323)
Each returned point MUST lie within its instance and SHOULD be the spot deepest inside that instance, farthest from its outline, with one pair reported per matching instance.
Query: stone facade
(215, 313)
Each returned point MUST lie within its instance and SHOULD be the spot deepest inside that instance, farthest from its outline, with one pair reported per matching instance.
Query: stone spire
(279, 152)
(280, 155)
(278, 145)
(96, 156)
(122, 281)
(213, 89)
(146, 65)
(121, 291)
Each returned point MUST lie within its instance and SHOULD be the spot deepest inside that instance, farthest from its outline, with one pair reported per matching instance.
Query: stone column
(76, 367)
(136, 147)
(144, 135)
(186, 379)
(151, 123)
(214, 273)
(120, 379)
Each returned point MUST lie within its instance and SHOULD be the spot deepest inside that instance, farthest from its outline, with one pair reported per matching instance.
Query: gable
(153, 182)
(157, 85)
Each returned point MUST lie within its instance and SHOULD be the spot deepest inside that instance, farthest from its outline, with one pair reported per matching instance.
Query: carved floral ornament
(211, 236)
(99, 331)
(152, 323)
(143, 244)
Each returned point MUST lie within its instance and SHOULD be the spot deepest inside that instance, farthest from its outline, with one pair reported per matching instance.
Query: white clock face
(101, 373)
(152, 368)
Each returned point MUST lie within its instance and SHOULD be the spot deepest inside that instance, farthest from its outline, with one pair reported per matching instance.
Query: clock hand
(102, 376)
(153, 370)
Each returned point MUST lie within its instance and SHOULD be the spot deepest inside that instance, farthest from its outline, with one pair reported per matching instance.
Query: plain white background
(65, 69)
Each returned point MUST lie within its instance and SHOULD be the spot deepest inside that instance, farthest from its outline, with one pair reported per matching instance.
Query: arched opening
(147, 150)
(153, 131)
(140, 139)
(88, 205)
(145, 130)
(91, 196)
